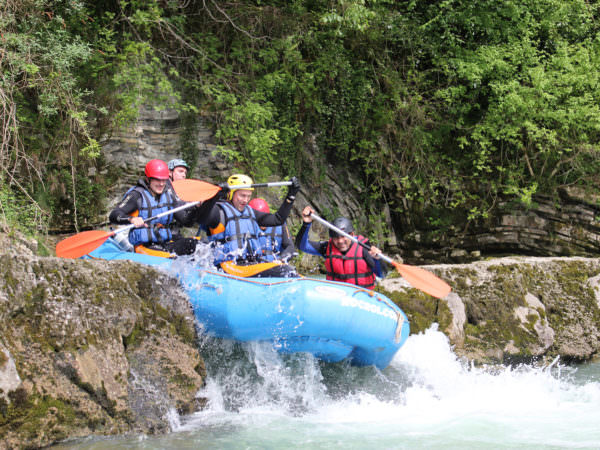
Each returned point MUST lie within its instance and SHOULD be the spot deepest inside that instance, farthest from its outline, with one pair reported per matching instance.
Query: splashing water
(427, 398)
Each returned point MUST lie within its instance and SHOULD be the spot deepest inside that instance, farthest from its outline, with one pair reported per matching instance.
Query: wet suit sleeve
(287, 246)
(208, 213)
(307, 246)
(279, 218)
(121, 214)
(185, 217)
(376, 265)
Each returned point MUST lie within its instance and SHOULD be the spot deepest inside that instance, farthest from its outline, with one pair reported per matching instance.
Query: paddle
(190, 190)
(82, 243)
(419, 278)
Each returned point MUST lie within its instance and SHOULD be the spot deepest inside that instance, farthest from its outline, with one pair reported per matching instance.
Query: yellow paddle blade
(195, 190)
(232, 268)
(423, 280)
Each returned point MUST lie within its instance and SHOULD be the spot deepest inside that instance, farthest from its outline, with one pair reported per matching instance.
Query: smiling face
(342, 243)
(240, 199)
(157, 186)
(179, 173)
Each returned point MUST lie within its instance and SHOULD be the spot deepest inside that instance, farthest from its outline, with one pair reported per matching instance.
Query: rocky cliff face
(91, 347)
(565, 224)
(512, 309)
(158, 134)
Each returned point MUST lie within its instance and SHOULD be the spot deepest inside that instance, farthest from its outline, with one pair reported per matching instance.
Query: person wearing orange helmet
(275, 241)
(233, 227)
(148, 198)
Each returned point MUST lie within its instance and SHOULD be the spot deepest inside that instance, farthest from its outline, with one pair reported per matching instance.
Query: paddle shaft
(273, 184)
(349, 236)
(165, 213)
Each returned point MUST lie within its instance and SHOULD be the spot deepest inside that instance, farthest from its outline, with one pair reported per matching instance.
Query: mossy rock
(515, 309)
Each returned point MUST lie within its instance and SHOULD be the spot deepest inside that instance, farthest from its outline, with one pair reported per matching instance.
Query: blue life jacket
(271, 239)
(238, 232)
(158, 230)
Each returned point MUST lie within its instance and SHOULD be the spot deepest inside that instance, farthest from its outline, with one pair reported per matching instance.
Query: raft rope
(399, 320)
(393, 307)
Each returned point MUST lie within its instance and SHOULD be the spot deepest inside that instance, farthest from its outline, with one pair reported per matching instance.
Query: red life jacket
(350, 267)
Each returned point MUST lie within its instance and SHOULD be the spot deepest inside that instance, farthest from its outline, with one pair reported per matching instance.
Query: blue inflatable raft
(333, 321)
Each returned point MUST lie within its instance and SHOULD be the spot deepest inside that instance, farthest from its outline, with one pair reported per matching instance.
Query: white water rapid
(427, 398)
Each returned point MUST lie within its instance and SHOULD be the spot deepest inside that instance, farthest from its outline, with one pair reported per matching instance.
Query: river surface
(426, 398)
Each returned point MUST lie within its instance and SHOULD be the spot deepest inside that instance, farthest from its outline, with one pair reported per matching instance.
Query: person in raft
(276, 241)
(146, 199)
(178, 170)
(345, 260)
(233, 227)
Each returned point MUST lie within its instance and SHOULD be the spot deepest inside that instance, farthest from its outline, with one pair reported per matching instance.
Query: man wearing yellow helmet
(234, 226)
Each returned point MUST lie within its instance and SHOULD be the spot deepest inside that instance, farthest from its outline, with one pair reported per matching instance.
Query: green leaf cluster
(438, 109)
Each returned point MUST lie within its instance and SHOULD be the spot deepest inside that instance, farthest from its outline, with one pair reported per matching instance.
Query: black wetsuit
(133, 202)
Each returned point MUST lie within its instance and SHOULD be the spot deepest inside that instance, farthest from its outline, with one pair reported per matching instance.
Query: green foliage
(436, 108)
(17, 212)
(140, 80)
(521, 88)
(246, 126)
(47, 110)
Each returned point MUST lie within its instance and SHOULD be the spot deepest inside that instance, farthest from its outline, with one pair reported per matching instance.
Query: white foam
(434, 397)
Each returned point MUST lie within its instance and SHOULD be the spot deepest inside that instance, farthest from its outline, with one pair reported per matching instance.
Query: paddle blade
(195, 190)
(423, 280)
(82, 243)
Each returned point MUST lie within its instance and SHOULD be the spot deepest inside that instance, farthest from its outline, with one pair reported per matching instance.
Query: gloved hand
(294, 188)
(222, 194)
(224, 187)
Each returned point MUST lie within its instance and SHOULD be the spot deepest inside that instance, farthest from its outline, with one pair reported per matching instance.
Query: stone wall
(566, 224)
(157, 135)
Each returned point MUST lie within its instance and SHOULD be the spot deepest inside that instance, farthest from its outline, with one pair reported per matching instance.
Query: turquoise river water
(426, 398)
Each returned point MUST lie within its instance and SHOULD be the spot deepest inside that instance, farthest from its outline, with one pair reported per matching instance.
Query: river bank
(513, 309)
(91, 347)
(104, 348)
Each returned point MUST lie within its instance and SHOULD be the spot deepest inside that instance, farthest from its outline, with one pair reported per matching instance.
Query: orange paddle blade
(423, 280)
(195, 190)
(82, 243)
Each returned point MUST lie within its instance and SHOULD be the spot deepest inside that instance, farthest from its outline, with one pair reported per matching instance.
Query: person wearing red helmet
(150, 197)
(275, 241)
